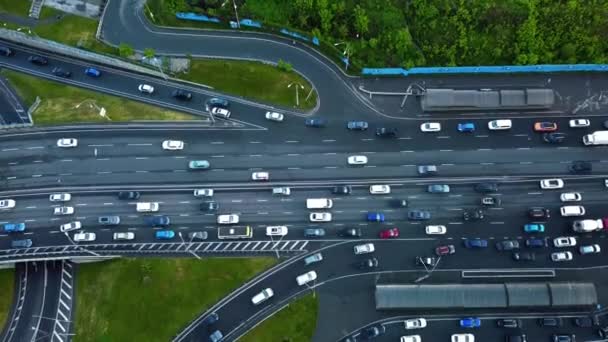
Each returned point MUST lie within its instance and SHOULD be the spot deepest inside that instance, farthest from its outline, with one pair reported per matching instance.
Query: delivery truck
(234, 233)
(596, 138)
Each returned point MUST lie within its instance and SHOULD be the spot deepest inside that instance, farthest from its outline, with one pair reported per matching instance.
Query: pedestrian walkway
(13, 111)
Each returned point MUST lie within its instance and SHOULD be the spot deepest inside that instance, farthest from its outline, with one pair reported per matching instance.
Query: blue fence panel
(545, 68)
(294, 35)
(196, 17)
(251, 23)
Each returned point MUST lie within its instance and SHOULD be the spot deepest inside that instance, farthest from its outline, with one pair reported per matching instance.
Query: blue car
(470, 322)
(534, 228)
(475, 243)
(438, 188)
(316, 122)
(466, 127)
(357, 125)
(14, 227)
(165, 234)
(92, 72)
(375, 217)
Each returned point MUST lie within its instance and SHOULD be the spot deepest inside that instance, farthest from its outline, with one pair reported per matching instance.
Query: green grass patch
(295, 323)
(17, 7)
(7, 284)
(59, 103)
(152, 299)
(252, 80)
(73, 30)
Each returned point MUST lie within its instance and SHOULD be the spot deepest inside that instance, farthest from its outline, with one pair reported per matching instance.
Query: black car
(160, 220)
(419, 215)
(473, 215)
(486, 187)
(509, 323)
(128, 195)
(507, 245)
(314, 232)
(182, 95)
(583, 322)
(341, 190)
(399, 203)
(38, 60)
(564, 338)
(516, 338)
(371, 332)
(550, 322)
(211, 319)
(210, 206)
(428, 261)
(350, 233)
(524, 256)
(4, 51)
(554, 138)
(367, 264)
(61, 73)
(603, 332)
(538, 213)
(580, 167)
(386, 132)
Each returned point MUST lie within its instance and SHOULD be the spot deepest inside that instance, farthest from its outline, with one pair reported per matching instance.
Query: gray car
(427, 170)
(198, 235)
(109, 220)
(314, 232)
(438, 188)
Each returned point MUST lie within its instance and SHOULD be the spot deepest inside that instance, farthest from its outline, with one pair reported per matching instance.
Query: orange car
(545, 127)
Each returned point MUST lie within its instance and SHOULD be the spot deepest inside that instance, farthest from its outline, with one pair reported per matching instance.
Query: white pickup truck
(585, 226)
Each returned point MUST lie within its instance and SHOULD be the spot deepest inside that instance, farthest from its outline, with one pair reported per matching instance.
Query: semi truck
(234, 233)
(319, 203)
(586, 226)
(596, 138)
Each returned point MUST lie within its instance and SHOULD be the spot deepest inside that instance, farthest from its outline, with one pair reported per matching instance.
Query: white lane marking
(66, 160)
(481, 136)
(329, 153)
(367, 139)
(255, 142)
(35, 147)
(523, 148)
(101, 159)
(487, 163)
(255, 155)
(180, 170)
(291, 141)
(446, 150)
(217, 142)
(220, 156)
(141, 158)
(103, 172)
(9, 149)
(141, 171)
(101, 145)
(526, 162)
(534, 193)
(37, 161)
(405, 138)
(520, 135)
(184, 202)
(484, 149)
(293, 168)
(293, 154)
(328, 140)
(13, 177)
(406, 151)
(443, 137)
(36, 176)
(330, 167)
(143, 144)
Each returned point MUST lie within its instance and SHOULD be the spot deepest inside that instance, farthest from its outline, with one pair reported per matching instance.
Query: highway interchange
(311, 161)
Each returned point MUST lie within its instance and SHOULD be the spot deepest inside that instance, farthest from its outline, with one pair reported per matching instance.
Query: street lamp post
(298, 85)
(236, 14)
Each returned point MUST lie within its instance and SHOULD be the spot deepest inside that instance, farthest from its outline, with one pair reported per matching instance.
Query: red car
(445, 250)
(389, 233)
(545, 127)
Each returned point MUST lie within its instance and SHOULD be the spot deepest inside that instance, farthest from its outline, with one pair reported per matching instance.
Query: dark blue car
(14, 227)
(466, 127)
(375, 217)
(470, 322)
(92, 72)
(419, 215)
(160, 220)
(316, 122)
(357, 125)
(475, 243)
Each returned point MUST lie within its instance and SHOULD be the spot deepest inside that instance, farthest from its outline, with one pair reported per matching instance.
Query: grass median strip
(153, 299)
(294, 323)
(7, 284)
(17, 7)
(63, 104)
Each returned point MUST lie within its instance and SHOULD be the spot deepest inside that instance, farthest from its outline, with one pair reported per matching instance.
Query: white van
(572, 210)
(497, 125)
(319, 203)
(147, 207)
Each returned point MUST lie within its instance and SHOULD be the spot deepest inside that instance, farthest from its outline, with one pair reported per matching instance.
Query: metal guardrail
(500, 273)
(504, 69)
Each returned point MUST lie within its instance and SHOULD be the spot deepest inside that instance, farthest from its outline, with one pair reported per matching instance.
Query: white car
(70, 226)
(415, 323)
(262, 296)
(86, 237)
(564, 241)
(7, 204)
(379, 189)
(463, 338)
(146, 88)
(590, 249)
(436, 230)
(67, 142)
(60, 197)
(571, 197)
(561, 256)
(147, 207)
(173, 145)
(228, 219)
(357, 160)
(306, 278)
(410, 338)
(217, 111)
(284, 190)
(276, 231)
(273, 116)
(320, 217)
(63, 211)
(123, 236)
(552, 183)
(498, 125)
(572, 210)
(430, 127)
(364, 248)
(576, 123)
(203, 192)
(260, 176)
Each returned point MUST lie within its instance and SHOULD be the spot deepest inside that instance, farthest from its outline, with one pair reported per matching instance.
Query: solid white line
(217, 142)
(148, 144)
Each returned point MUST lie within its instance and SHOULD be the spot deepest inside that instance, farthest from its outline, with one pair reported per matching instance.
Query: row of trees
(406, 33)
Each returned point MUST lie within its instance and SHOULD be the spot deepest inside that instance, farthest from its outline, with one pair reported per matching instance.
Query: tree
(361, 20)
(149, 53)
(125, 50)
